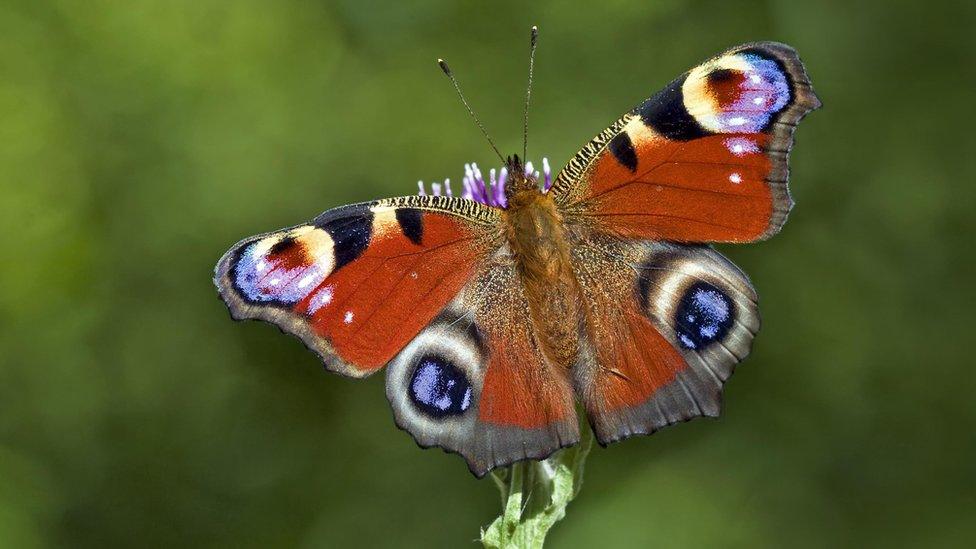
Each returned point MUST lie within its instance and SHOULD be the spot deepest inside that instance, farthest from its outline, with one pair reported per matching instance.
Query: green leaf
(535, 495)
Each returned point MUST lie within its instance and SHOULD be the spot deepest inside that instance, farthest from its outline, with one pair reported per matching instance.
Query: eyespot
(704, 315)
(283, 268)
(438, 388)
(434, 383)
(738, 93)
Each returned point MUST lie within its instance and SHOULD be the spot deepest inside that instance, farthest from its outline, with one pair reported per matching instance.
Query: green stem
(535, 495)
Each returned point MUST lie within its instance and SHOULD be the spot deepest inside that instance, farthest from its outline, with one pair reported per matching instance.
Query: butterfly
(496, 312)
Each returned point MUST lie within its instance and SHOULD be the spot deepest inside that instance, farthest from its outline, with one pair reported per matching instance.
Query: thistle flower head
(490, 191)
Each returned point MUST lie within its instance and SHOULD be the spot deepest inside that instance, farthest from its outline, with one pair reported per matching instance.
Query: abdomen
(538, 240)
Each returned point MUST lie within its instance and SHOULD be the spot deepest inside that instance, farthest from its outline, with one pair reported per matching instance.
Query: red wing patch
(373, 306)
(637, 361)
(522, 389)
(358, 282)
(711, 189)
(704, 160)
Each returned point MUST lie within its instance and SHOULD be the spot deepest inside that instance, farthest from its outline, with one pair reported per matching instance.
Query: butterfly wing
(668, 324)
(704, 160)
(426, 286)
(357, 283)
(475, 381)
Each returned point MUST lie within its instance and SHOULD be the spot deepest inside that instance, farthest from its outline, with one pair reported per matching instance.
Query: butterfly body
(495, 313)
(537, 237)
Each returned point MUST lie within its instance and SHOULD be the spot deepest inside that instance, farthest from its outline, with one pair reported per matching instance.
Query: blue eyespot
(439, 388)
(704, 315)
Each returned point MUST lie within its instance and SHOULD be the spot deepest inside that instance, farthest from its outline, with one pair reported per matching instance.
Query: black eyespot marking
(439, 389)
(643, 287)
(704, 315)
(477, 339)
(411, 223)
(623, 150)
(667, 115)
(282, 246)
(351, 229)
(718, 76)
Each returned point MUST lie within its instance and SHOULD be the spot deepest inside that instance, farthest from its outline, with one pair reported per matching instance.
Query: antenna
(533, 40)
(447, 71)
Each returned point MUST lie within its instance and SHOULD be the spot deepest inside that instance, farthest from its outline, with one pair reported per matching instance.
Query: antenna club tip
(443, 66)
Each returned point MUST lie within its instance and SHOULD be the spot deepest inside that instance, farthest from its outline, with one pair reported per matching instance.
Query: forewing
(667, 325)
(357, 283)
(704, 160)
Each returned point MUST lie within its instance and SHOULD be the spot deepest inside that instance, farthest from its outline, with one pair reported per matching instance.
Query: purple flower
(489, 191)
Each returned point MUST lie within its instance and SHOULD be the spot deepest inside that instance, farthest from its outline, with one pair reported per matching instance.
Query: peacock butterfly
(494, 311)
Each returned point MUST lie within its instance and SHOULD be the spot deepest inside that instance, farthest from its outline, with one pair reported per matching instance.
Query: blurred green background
(139, 140)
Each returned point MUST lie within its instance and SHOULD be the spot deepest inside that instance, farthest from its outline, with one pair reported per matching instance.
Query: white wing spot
(348, 318)
(759, 100)
(735, 178)
(320, 299)
(275, 281)
(740, 145)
